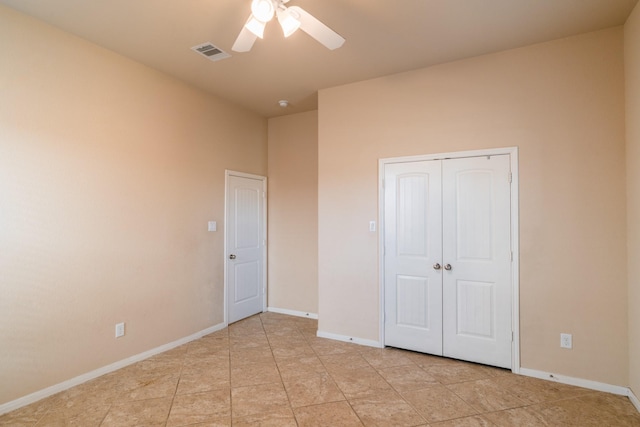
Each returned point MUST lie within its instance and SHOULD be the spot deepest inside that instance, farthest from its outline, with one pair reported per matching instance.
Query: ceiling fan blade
(245, 41)
(316, 29)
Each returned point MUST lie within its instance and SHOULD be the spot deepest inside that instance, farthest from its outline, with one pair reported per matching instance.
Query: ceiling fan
(290, 19)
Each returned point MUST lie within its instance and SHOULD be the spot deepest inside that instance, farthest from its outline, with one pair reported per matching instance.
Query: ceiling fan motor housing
(263, 10)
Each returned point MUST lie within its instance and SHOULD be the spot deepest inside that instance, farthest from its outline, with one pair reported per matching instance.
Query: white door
(447, 258)
(477, 259)
(245, 246)
(413, 245)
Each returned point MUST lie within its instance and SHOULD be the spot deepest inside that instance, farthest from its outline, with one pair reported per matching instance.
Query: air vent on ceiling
(210, 51)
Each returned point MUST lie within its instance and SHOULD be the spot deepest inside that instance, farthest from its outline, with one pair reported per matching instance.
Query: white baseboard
(344, 338)
(49, 391)
(634, 399)
(292, 312)
(579, 382)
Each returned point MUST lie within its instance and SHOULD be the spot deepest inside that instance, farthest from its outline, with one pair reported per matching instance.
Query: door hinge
(511, 256)
(510, 177)
(511, 336)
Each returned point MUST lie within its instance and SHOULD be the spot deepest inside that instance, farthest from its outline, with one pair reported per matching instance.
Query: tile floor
(272, 370)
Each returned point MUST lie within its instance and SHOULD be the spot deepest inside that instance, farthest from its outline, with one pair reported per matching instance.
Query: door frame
(228, 173)
(515, 236)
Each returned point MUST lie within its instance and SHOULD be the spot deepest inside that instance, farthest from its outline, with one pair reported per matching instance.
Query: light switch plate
(212, 226)
(119, 330)
(566, 341)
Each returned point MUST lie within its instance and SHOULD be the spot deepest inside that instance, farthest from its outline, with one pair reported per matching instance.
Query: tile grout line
(279, 373)
(173, 398)
(230, 385)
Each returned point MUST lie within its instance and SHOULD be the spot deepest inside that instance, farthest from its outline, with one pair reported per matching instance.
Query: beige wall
(293, 212)
(562, 104)
(109, 172)
(632, 73)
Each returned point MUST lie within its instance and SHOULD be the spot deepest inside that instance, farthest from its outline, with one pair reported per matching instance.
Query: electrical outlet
(119, 330)
(566, 341)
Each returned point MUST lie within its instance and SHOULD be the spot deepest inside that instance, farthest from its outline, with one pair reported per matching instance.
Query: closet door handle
(436, 266)
(447, 267)
(232, 256)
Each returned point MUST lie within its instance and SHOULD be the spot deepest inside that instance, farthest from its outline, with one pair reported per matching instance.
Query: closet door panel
(476, 252)
(413, 288)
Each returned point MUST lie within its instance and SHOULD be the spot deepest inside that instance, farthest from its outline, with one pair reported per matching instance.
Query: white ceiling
(382, 37)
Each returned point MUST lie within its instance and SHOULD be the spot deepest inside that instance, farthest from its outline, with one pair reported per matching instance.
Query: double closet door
(447, 258)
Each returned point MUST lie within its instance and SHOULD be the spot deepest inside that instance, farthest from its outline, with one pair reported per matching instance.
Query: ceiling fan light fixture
(288, 21)
(255, 26)
(262, 10)
(290, 18)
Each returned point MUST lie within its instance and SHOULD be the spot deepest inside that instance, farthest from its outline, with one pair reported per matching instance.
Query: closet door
(477, 259)
(413, 246)
(447, 259)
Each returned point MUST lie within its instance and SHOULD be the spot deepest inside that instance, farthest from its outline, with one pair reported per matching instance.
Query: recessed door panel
(412, 302)
(246, 230)
(412, 227)
(247, 283)
(475, 308)
(474, 214)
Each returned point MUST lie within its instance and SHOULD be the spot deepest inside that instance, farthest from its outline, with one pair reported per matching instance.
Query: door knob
(232, 256)
(447, 267)
(436, 266)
